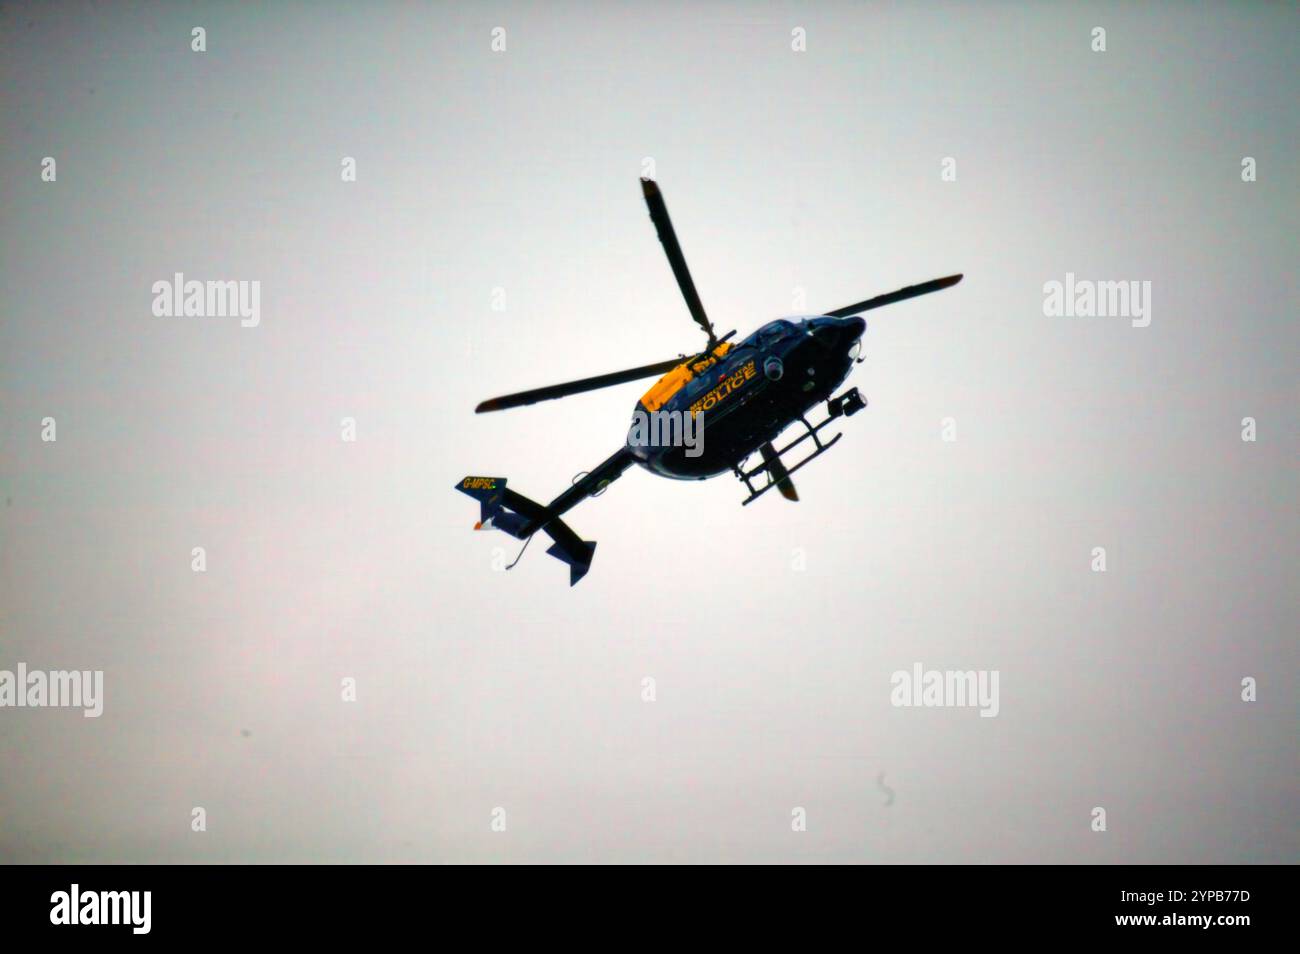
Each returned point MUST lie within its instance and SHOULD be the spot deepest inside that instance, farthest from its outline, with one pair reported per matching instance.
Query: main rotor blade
(673, 249)
(521, 398)
(911, 291)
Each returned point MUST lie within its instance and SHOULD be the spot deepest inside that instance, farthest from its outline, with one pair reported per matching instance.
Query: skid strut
(822, 447)
(846, 405)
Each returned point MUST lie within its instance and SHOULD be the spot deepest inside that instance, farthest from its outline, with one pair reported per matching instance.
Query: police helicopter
(741, 396)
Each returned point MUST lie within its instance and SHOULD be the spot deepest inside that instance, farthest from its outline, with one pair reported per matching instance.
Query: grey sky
(517, 170)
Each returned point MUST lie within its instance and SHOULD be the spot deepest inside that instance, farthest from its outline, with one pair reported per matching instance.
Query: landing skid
(846, 404)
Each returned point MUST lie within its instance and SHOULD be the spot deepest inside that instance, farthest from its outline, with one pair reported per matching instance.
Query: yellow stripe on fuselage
(678, 377)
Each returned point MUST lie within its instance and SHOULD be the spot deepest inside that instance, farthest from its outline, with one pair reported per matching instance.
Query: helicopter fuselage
(744, 395)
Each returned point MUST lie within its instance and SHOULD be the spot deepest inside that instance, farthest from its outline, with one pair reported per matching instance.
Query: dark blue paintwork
(814, 354)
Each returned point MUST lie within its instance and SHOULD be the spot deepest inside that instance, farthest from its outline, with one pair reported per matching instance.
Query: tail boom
(501, 508)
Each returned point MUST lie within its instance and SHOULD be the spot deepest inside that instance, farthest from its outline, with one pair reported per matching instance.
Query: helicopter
(739, 396)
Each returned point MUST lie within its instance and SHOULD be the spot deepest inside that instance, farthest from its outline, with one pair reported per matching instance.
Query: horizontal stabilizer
(579, 558)
(511, 523)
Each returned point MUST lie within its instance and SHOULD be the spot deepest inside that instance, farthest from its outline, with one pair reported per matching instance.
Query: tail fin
(502, 509)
